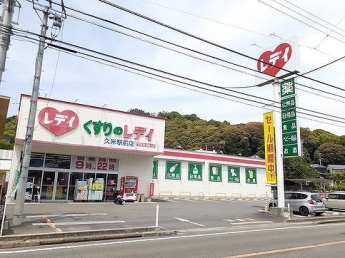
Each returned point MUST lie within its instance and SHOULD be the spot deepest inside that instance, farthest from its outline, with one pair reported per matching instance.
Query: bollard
(266, 203)
(157, 211)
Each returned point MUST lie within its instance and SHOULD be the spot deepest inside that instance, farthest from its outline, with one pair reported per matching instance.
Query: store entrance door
(54, 186)
(48, 181)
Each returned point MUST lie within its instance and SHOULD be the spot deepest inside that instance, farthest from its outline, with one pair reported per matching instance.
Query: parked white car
(304, 203)
(335, 200)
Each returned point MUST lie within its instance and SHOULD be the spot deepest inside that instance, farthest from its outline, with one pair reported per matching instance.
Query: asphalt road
(290, 240)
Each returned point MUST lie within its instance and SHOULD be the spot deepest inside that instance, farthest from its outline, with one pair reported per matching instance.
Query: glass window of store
(57, 161)
(73, 178)
(56, 180)
(36, 175)
(110, 186)
(37, 160)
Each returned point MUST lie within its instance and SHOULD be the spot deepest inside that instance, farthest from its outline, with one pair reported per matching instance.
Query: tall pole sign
(273, 65)
(290, 132)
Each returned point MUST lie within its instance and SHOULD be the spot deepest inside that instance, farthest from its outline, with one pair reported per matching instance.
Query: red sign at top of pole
(271, 62)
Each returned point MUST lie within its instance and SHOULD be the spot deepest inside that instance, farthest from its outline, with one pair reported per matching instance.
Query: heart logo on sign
(58, 122)
(271, 62)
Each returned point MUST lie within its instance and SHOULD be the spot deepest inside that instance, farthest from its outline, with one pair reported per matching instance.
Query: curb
(319, 219)
(80, 236)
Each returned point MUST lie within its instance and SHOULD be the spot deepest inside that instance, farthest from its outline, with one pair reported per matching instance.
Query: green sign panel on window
(233, 174)
(195, 172)
(215, 174)
(155, 169)
(251, 176)
(173, 170)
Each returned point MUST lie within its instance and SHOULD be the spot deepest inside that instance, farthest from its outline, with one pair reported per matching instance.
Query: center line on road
(165, 238)
(298, 248)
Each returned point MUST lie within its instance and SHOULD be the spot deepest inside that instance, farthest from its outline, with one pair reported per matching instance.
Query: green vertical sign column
(289, 118)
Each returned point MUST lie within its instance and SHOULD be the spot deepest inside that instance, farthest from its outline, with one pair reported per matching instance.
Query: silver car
(304, 203)
(335, 200)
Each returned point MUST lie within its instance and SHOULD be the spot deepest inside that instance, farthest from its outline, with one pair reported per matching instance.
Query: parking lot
(178, 214)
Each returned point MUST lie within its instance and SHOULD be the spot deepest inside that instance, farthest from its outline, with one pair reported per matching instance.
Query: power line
(297, 20)
(181, 77)
(318, 23)
(335, 26)
(206, 41)
(207, 19)
(174, 44)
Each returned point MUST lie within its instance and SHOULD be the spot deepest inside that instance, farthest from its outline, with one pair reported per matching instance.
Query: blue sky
(245, 26)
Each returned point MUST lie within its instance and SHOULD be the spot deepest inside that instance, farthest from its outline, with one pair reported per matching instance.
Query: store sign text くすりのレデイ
(62, 122)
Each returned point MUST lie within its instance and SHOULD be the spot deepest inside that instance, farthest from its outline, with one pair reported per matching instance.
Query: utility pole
(5, 32)
(279, 149)
(19, 204)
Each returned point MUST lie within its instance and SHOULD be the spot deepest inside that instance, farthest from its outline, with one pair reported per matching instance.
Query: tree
(139, 112)
(331, 153)
(297, 168)
(5, 145)
(313, 139)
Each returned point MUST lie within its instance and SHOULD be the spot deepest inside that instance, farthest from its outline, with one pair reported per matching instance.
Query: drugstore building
(78, 147)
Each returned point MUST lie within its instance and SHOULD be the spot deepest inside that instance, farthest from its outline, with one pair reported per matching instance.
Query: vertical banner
(195, 172)
(155, 169)
(271, 176)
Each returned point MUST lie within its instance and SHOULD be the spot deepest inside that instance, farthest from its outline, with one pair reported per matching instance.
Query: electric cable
(189, 84)
(318, 23)
(206, 41)
(296, 20)
(219, 59)
(335, 26)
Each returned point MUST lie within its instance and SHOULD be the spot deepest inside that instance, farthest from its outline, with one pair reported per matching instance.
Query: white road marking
(87, 245)
(79, 223)
(66, 215)
(186, 220)
(187, 200)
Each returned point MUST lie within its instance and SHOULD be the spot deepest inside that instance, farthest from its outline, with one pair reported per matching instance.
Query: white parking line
(66, 215)
(187, 200)
(186, 220)
(79, 223)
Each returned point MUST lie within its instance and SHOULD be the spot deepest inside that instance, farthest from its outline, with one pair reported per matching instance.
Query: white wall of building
(5, 161)
(184, 187)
